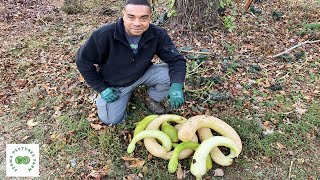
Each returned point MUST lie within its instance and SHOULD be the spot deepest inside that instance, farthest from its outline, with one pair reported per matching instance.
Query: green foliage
(276, 87)
(230, 48)
(196, 57)
(172, 8)
(286, 58)
(225, 3)
(312, 26)
(255, 10)
(228, 22)
(254, 68)
(309, 29)
(294, 135)
(277, 15)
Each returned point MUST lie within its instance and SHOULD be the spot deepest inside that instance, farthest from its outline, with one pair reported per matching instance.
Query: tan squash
(157, 149)
(189, 128)
(216, 155)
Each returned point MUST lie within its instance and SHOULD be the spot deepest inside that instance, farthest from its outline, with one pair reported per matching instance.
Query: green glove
(176, 95)
(110, 94)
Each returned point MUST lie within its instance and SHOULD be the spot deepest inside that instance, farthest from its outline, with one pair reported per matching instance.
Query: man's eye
(131, 18)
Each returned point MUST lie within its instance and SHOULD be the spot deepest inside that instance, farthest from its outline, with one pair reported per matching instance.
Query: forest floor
(272, 102)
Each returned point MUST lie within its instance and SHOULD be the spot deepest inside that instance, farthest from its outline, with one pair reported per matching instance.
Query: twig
(197, 52)
(197, 67)
(206, 88)
(290, 169)
(192, 73)
(293, 47)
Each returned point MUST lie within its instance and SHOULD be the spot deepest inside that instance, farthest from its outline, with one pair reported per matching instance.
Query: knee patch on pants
(106, 115)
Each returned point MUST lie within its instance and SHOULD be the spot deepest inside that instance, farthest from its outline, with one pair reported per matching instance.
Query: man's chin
(136, 33)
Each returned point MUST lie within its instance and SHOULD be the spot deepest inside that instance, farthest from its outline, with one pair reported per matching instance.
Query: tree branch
(293, 47)
(197, 52)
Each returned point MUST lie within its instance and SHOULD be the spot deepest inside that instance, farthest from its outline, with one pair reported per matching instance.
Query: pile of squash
(184, 138)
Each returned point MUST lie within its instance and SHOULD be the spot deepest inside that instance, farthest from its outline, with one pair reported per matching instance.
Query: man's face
(136, 19)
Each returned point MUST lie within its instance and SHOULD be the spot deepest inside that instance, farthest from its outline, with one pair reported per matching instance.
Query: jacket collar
(119, 32)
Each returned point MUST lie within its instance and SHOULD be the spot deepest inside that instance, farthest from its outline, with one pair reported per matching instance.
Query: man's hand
(176, 95)
(110, 94)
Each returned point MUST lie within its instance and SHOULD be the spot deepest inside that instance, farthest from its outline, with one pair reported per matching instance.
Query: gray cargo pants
(156, 77)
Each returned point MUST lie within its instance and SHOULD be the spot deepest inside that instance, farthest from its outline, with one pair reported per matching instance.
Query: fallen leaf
(266, 123)
(97, 174)
(92, 117)
(180, 173)
(300, 160)
(300, 111)
(131, 177)
(300, 108)
(25, 138)
(96, 126)
(30, 123)
(307, 97)
(81, 79)
(71, 133)
(87, 165)
(106, 168)
(218, 172)
(144, 169)
(266, 159)
(57, 113)
(70, 171)
(311, 178)
(280, 146)
(133, 162)
(268, 132)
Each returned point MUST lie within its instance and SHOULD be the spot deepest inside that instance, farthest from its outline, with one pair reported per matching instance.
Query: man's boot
(154, 106)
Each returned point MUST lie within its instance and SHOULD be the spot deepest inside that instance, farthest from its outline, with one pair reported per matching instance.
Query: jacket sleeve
(168, 53)
(90, 53)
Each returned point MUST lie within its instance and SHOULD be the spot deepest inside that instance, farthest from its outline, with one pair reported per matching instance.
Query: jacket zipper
(128, 45)
(139, 47)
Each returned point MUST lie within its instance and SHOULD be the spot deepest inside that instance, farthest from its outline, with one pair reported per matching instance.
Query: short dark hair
(137, 2)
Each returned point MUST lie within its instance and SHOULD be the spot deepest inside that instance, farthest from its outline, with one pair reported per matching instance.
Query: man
(123, 51)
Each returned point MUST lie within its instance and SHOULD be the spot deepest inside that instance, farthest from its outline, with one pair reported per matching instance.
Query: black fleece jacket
(118, 66)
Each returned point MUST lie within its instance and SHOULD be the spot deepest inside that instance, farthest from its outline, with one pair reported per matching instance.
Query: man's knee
(164, 77)
(112, 120)
(160, 74)
(109, 114)
(162, 87)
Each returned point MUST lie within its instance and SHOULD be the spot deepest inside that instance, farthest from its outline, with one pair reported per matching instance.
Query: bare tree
(196, 14)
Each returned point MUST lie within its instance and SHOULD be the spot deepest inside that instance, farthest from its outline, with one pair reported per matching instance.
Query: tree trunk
(196, 14)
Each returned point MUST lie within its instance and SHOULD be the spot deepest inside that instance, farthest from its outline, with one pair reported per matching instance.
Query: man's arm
(89, 54)
(168, 53)
(177, 69)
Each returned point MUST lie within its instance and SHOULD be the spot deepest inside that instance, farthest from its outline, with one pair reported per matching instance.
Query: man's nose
(137, 22)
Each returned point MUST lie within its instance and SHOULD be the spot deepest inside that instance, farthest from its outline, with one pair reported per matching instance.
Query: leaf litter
(40, 43)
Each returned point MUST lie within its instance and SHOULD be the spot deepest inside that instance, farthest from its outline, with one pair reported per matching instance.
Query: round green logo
(22, 160)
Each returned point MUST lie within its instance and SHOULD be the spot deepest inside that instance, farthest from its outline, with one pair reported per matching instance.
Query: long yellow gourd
(216, 155)
(189, 128)
(151, 144)
(198, 165)
(161, 136)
